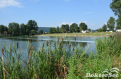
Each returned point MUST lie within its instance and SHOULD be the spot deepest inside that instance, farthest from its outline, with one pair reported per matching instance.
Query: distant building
(45, 32)
(110, 31)
(86, 31)
(5, 33)
(118, 30)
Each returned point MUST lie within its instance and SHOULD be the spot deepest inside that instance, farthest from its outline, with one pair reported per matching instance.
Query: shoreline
(70, 36)
(95, 34)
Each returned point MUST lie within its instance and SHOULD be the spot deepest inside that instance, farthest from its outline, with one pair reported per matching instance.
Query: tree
(89, 29)
(116, 7)
(67, 27)
(50, 30)
(2, 29)
(23, 29)
(58, 30)
(33, 32)
(118, 21)
(13, 29)
(32, 25)
(64, 28)
(111, 23)
(41, 31)
(27, 30)
(74, 28)
(104, 27)
(80, 29)
(83, 25)
(53, 30)
(5, 28)
(100, 30)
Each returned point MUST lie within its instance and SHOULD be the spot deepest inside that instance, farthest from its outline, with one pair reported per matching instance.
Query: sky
(53, 13)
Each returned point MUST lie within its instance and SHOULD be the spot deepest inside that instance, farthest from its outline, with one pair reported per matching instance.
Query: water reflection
(38, 41)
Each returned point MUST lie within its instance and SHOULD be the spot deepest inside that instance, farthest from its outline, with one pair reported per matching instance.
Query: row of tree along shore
(14, 29)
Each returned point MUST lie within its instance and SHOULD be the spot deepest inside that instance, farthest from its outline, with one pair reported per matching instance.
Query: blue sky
(53, 13)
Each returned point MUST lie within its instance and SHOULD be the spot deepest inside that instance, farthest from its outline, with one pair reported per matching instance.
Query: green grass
(60, 62)
(80, 34)
(13, 36)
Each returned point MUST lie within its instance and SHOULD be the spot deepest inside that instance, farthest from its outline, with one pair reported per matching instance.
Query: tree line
(115, 6)
(111, 25)
(14, 29)
(65, 28)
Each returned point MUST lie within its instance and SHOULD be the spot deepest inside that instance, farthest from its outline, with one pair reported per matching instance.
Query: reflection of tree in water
(82, 44)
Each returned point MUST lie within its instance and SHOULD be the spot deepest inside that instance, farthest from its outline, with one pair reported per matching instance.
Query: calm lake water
(37, 42)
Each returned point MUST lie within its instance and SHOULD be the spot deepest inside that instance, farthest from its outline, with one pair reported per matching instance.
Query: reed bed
(61, 62)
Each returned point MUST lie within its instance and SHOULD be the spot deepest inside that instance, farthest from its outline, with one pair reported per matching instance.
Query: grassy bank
(62, 62)
(23, 36)
(14, 36)
(79, 34)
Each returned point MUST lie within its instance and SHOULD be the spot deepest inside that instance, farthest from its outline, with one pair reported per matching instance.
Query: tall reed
(62, 62)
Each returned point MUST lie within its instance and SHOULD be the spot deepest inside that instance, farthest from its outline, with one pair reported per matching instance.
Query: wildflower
(75, 35)
(63, 37)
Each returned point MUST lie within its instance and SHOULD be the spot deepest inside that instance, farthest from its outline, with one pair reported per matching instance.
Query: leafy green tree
(58, 29)
(32, 25)
(118, 21)
(23, 29)
(89, 29)
(63, 29)
(100, 30)
(13, 29)
(74, 28)
(111, 23)
(5, 28)
(41, 31)
(116, 6)
(50, 30)
(67, 27)
(33, 32)
(27, 30)
(80, 29)
(104, 27)
(2, 29)
(83, 25)
(53, 30)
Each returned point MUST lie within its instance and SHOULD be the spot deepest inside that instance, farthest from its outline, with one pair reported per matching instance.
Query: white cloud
(89, 12)
(5, 3)
(66, 0)
(71, 23)
(64, 23)
(83, 22)
(106, 23)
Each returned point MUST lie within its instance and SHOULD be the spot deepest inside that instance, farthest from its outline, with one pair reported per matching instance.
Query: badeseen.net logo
(106, 73)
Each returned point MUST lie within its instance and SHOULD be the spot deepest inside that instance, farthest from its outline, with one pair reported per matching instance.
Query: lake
(37, 42)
